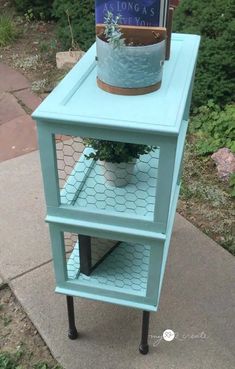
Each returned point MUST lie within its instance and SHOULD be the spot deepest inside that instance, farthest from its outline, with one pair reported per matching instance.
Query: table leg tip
(73, 334)
(143, 349)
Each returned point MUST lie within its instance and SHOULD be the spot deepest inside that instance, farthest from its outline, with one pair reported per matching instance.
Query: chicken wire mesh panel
(87, 180)
(76, 257)
(72, 259)
(124, 268)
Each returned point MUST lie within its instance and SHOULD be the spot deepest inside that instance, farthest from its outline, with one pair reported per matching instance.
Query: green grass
(14, 361)
(7, 30)
(6, 320)
(10, 360)
(205, 200)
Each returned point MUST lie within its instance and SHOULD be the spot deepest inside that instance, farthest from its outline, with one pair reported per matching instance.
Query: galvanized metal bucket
(130, 67)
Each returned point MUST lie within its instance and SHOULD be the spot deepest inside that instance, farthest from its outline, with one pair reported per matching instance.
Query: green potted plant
(117, 159)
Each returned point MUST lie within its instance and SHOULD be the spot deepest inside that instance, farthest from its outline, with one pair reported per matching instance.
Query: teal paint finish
(77, 99)
(154, 219)
(96, 229)
(77, 107)
(131, 273)
(164, 187)
(70, 289)
(58, 254)
(49, 167)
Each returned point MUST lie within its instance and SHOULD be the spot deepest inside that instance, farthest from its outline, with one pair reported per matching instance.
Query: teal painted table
(135, 221)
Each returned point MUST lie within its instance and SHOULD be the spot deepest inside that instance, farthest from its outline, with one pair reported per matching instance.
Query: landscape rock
(67, 59)
(225, 162)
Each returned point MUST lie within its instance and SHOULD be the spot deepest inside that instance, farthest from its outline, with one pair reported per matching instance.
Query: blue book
(146, 13)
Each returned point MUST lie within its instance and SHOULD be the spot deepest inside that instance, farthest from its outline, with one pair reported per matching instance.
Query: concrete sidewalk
(197, 301)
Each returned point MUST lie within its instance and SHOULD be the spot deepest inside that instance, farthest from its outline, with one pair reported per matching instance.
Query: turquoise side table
(88, 215)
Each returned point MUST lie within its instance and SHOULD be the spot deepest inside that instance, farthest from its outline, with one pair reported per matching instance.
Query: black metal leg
(144, 348)
(72, 334)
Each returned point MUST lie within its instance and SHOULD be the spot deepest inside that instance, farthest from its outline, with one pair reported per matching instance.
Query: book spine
(144, 13)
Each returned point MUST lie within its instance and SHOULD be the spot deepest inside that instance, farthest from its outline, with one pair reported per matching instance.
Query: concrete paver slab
(9, 108)
(197, 302)
(17, 137)
(30, 100)
(24, 242)
(11, 80)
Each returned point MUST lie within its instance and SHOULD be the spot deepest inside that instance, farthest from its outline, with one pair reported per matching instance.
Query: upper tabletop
(78, 98)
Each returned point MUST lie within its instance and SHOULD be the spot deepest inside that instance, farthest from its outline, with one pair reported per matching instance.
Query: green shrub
(214, 128)
(7, 30)
(214, 21)
(39, 9)
(82, 18)
(115, 152)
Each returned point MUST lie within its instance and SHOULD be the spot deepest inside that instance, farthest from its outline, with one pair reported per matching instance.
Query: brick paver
(9, 107)
(11, 80)
(17, 101)
(29, 99)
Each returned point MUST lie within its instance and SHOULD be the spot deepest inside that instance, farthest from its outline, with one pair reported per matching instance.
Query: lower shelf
(124, 270)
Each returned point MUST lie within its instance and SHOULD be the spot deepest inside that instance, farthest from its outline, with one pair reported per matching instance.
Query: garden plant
(115, 152)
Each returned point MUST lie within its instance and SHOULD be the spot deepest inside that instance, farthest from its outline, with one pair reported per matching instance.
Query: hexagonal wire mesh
(100, 185)
(124, 269)
(71, 257)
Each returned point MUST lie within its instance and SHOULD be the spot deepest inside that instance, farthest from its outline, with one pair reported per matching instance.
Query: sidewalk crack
(31, 270)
